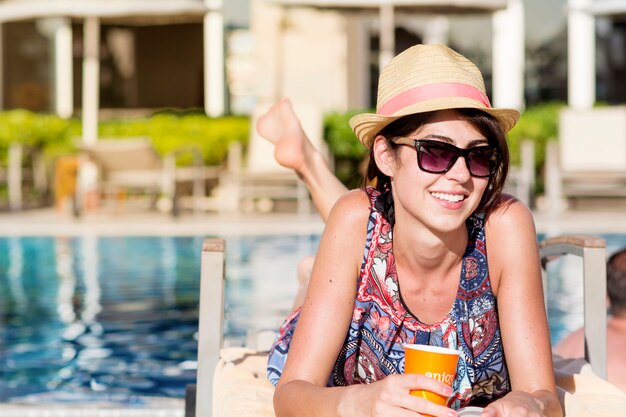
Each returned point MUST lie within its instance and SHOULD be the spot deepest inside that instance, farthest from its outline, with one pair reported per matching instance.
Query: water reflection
(14, 274)
(89, 249)
(565, 295)
(168, 265)
(94, 318)
(261, 282)
(78, 319)
(67, 280)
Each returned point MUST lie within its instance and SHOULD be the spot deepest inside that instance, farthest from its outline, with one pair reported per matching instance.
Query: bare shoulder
(511, 241)
(351, 209)
(509, 214)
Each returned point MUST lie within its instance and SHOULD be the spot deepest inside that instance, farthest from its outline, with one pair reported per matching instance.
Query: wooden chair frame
(592, 251)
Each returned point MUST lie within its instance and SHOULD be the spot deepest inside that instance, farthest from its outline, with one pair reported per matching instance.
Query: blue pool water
(115, 318)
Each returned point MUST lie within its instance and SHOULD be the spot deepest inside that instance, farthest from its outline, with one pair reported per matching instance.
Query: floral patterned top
(381, 323)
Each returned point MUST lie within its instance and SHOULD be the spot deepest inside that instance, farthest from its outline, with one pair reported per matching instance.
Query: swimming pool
(92, 319)
(114, 319)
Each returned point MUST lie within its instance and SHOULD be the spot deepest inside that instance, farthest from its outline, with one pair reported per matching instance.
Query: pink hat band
(430, 92)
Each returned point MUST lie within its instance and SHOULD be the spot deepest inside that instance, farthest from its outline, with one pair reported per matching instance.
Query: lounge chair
(132, 164)
(589, 160)
(232, 382)
(256, 181)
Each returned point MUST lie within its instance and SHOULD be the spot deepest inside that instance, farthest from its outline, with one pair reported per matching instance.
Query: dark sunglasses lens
(435, 157)
(482, 161)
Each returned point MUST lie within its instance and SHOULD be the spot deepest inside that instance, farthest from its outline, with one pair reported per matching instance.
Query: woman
(431, 254)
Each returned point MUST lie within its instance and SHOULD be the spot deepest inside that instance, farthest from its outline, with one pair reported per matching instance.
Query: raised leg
(281, 126)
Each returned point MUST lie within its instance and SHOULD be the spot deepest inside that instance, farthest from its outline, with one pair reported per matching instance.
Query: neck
(619, 314)
(428, 250)
(618, 320)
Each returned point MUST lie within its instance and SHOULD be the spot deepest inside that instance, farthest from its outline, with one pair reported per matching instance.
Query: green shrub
(44, 132)
(52, 136)
(540, 124)
(170, 132)
(55, 136)
(347, 151)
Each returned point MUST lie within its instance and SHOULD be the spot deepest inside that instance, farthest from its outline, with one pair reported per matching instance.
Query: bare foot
(281, 126)
(293, 150)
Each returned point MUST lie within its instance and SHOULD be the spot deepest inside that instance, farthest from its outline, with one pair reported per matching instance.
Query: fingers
(396, 395)
(417, 381)
(427, 408)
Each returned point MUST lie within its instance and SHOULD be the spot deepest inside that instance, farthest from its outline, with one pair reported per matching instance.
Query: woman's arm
(515, 271)
(326, 312)
(322, 328)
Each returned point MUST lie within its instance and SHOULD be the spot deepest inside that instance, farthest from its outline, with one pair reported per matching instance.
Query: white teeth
(449, 197)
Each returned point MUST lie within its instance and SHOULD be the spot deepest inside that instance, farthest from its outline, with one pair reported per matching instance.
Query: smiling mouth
(454, 198)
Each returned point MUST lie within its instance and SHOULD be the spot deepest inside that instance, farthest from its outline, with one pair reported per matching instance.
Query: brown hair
(616, 281)
(483, 122)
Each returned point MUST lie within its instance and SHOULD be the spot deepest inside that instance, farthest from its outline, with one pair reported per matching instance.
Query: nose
(459, 171)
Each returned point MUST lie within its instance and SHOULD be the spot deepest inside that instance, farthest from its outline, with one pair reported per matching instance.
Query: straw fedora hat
(427, 78)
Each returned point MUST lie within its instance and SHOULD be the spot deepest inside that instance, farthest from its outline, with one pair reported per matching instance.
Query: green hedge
(168, 131)
(348, 152)
(45, 132)
(538, 123)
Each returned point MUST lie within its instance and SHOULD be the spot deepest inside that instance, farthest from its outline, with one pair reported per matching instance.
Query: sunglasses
(438, 157)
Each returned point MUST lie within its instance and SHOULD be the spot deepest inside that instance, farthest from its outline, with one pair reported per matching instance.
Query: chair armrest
(592, 251)
(553, 247)
(577, 241)
(210, 320)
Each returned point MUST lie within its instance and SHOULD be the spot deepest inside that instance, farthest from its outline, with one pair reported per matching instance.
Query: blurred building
(176, 53)
(596, 45)
(330, 51)
(64, 55)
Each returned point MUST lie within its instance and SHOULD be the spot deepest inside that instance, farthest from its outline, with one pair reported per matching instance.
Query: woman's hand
(390, 397)
(515, 404)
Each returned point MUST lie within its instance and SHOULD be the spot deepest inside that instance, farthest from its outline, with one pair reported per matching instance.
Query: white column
(59, 31)
(14, 175)
(437, 30)
(387, 35)
(357, 65)
(508, 56)
(1, 66)
(581, 50)
(91, 79)
(63, 69)
(214, 80)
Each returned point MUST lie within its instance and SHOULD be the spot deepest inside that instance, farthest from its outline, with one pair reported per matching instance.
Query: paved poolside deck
(596, 218)
(48, 222)
(103, 410)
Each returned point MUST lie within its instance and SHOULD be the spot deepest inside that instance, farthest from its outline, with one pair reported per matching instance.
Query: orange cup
(435, 362)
